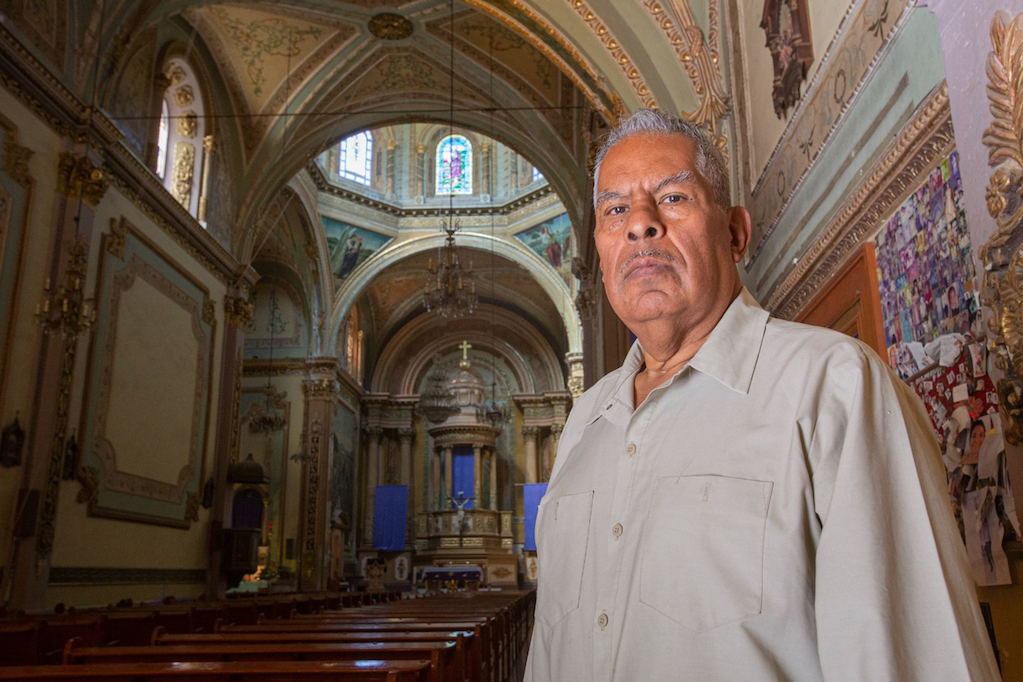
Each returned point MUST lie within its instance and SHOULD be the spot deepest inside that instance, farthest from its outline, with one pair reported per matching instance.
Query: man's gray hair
(709, 161)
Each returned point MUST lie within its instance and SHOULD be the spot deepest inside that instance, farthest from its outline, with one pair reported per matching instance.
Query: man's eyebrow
(608, 195)
(682, 177)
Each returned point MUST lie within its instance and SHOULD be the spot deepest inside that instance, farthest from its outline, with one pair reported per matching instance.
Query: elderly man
(745, 498)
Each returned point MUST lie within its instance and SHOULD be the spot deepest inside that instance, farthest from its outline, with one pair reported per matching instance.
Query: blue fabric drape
(531, 494)
(464, 479)
(389, 517)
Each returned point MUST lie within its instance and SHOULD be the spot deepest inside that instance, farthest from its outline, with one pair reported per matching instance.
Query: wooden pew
(466, 643)
(227, 671)
(444, 658)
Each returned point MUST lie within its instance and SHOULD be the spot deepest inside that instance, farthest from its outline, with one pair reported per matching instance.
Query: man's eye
(675, 198)
(616, 210)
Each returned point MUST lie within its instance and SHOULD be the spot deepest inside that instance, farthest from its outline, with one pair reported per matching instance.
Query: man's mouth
(645, 262)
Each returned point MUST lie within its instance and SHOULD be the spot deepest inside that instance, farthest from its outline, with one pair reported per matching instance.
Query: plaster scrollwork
(184, 170)
(209, 312)
(1003, 254)
(700, 57)
(16, 160)
(117, 239)
(77, 177)
(237, 311)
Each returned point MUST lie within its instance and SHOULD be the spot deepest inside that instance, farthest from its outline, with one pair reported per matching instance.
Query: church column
(435, 485)
(80, 187)
(477, 476)
(372, 478)
(529, 441)
(320, 391)
(485, 168)
(555, 439)
(420, 171)
(449, 479)
(493, 479)
(405, 475)
(204, 183)
(237, 314)
(392, 155)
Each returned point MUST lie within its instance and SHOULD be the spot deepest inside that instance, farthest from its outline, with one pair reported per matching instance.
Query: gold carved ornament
(1003, 254)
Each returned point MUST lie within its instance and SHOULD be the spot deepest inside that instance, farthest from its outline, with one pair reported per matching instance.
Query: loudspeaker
(241, 549)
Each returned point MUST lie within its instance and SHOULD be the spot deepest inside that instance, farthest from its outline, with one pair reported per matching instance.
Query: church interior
(297, 295)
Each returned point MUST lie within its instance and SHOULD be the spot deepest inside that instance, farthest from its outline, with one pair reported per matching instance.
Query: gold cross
(465, 349)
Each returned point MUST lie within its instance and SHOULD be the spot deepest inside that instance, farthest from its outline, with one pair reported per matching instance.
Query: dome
(248, 471)
(467, 388)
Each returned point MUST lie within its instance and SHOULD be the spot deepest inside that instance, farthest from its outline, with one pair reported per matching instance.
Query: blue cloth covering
(531, 494)
(389, 517)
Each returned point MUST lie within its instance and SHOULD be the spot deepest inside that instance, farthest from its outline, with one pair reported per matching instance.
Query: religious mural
(552, 241)
(349, 247)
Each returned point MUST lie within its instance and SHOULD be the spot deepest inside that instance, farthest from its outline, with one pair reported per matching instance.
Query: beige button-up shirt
(776, 511)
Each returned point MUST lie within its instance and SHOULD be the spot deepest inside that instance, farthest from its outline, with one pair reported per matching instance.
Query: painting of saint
(349, 247)
(551, 240)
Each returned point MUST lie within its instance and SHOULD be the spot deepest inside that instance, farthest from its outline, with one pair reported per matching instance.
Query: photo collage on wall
(933, 331)
(925, 265)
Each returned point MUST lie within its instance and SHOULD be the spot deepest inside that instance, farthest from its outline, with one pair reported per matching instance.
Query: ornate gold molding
(535, 39)
(77, 177)
(321, 388)
(612, 45)
(1003, 254)
(921, 143)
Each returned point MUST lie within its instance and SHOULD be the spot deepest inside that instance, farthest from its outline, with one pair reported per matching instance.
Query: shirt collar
(731, 351)
(729, 354)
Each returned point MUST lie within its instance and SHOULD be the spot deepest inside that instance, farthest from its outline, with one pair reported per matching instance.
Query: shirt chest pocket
(703, 549)
(562, 539)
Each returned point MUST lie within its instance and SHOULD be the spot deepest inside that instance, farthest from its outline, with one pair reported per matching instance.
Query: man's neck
(668, 346)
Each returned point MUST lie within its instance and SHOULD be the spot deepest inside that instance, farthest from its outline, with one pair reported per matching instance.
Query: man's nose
(644, 223)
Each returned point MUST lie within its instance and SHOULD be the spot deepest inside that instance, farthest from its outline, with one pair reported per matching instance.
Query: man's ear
(739, 227)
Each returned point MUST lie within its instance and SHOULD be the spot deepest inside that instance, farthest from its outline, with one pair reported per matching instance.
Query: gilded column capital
(406, 434)
(237, 311)
(77, 177)
(320, 388)
(530, 431)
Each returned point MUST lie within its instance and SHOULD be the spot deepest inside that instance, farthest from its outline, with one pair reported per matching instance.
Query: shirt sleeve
(894, 599)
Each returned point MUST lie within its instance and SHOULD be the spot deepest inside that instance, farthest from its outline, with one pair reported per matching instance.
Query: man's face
(667, 250)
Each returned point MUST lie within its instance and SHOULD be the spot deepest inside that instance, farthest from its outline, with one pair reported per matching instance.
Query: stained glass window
(537, 175)
(454, 165)
(354, 158)
(161, 141)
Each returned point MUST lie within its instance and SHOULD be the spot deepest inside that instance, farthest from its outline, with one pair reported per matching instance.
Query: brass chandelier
(450, 289)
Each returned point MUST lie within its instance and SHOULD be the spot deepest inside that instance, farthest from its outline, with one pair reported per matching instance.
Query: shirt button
(602, 621)
(630, 449)
(617, 530)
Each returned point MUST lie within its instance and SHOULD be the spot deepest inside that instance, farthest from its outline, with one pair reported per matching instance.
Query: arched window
(354, 157)
(161, 140)
(537, 175)
(454, 165)
(183, 143)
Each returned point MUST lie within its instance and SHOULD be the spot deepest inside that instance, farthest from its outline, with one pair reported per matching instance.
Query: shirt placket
(620, 538)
